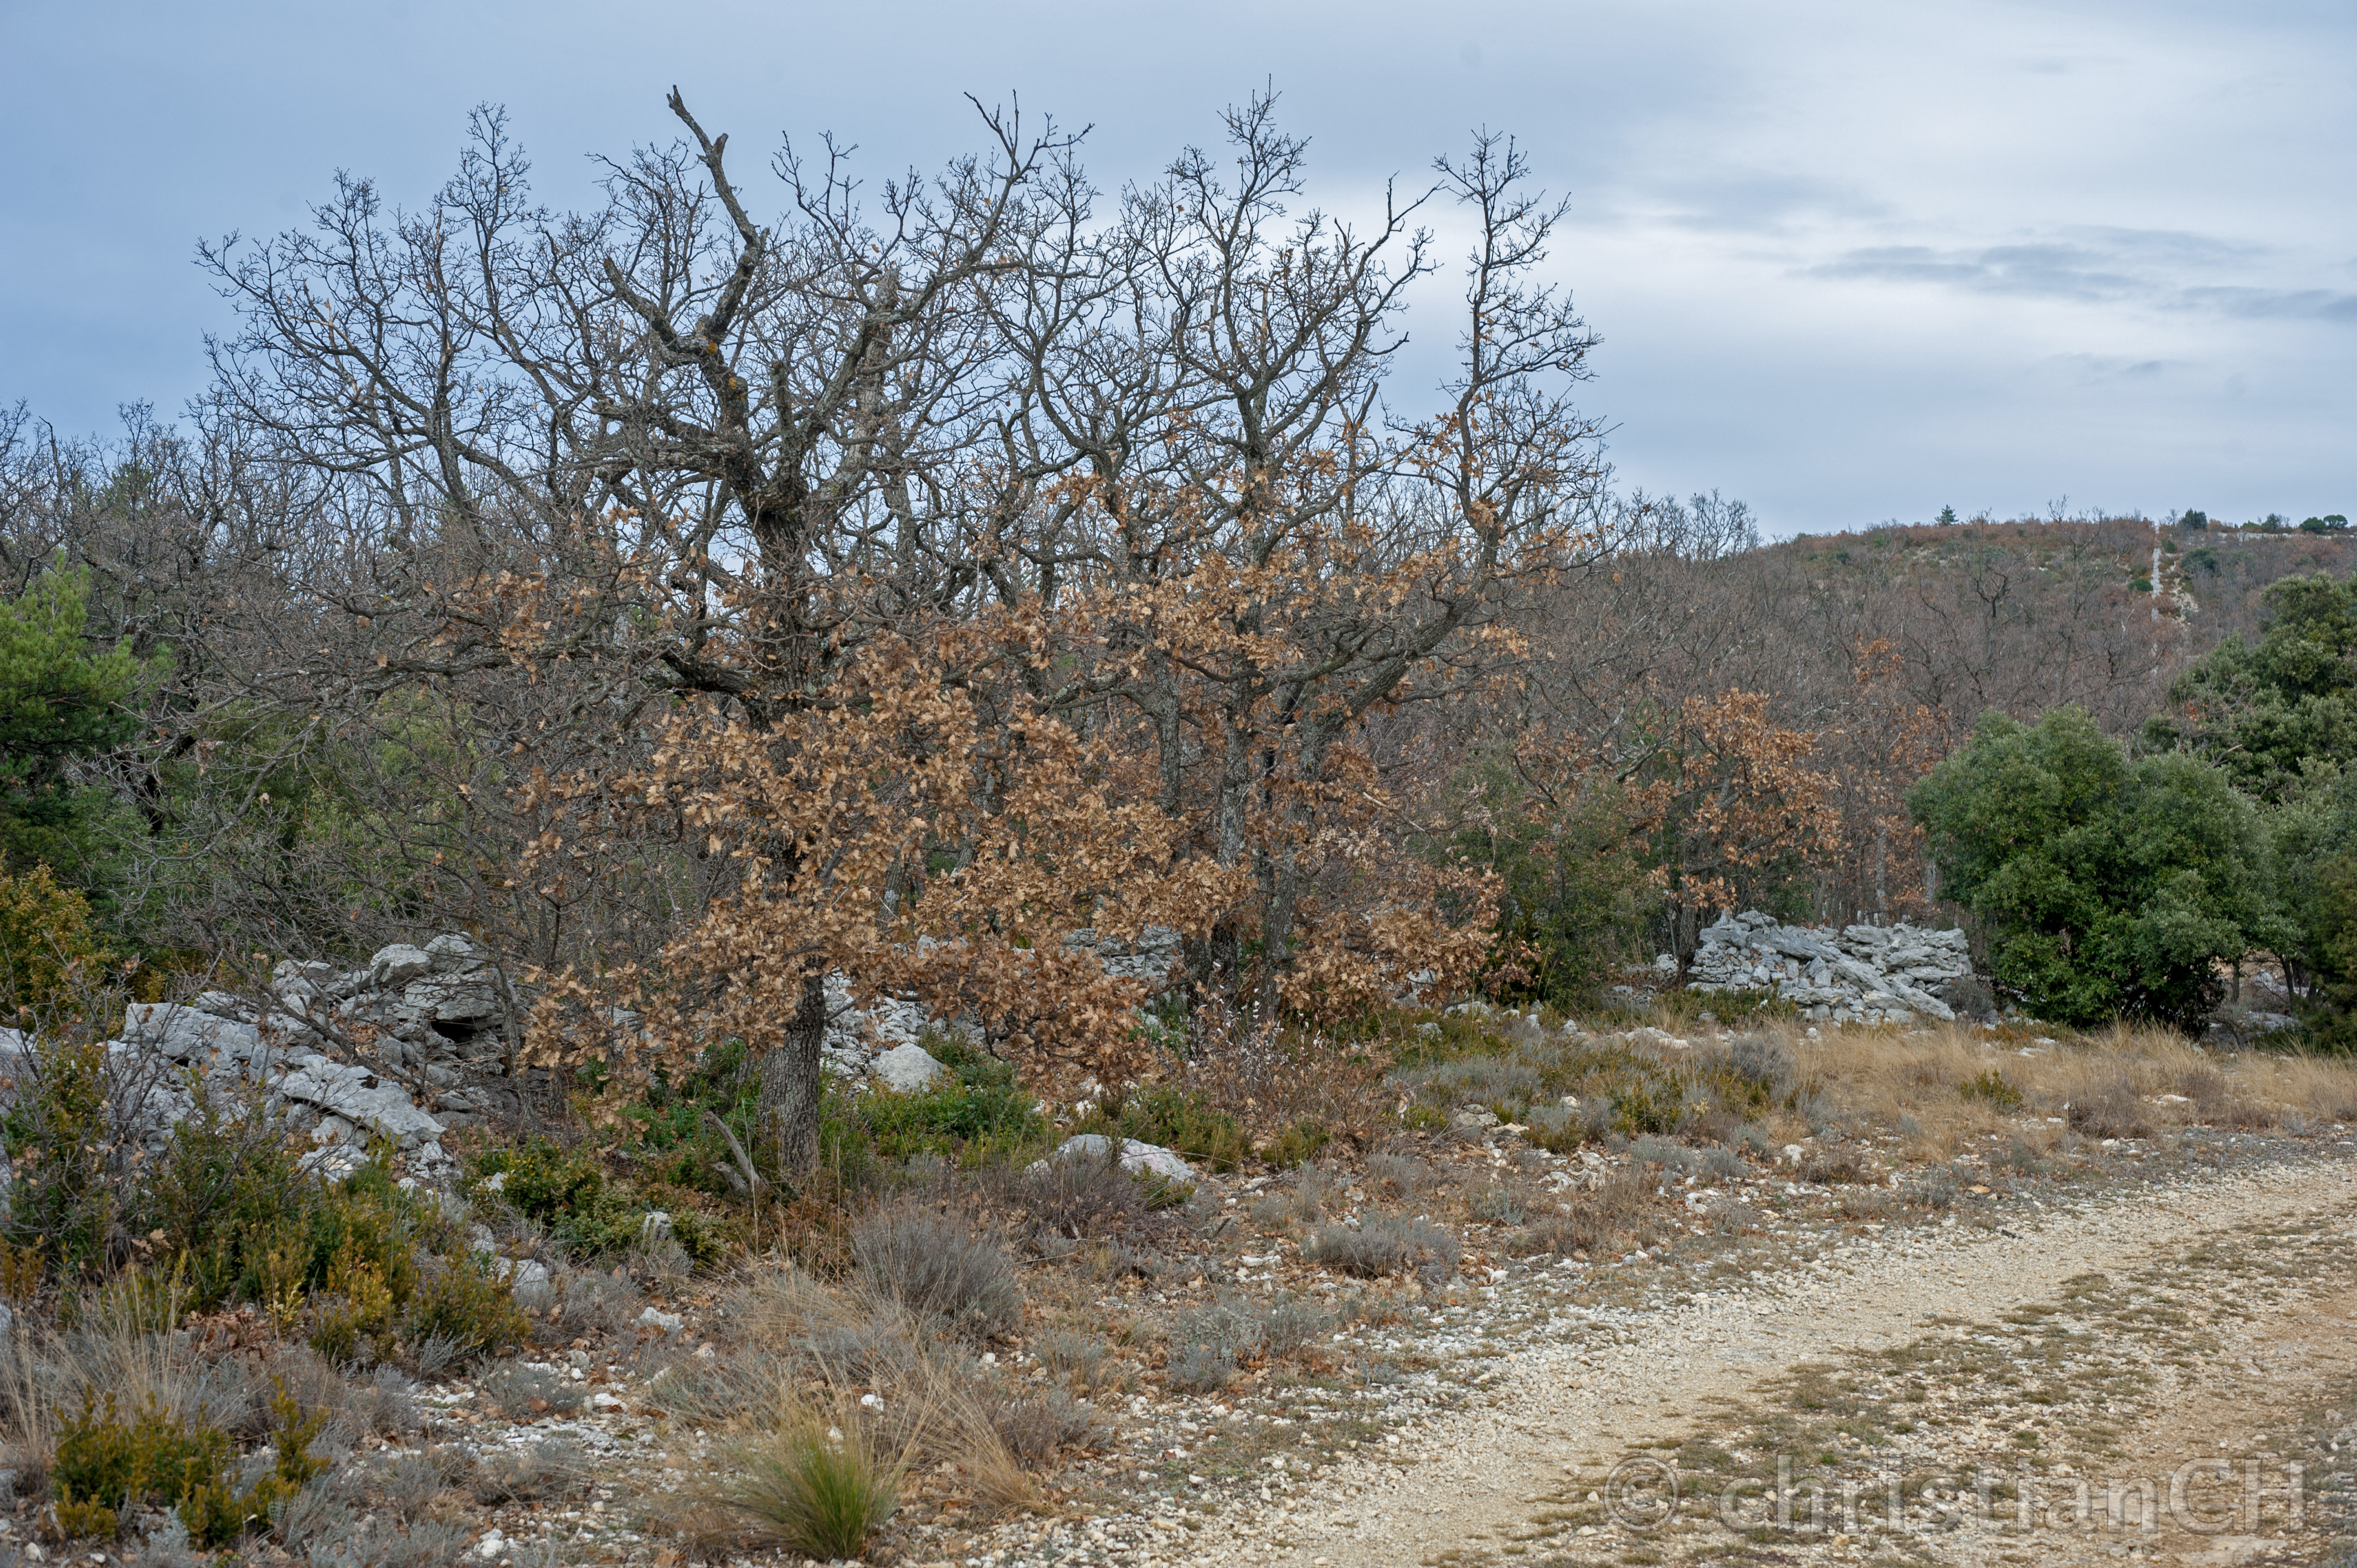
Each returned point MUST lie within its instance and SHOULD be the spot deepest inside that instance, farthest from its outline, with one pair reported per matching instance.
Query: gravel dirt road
(2158, 1356)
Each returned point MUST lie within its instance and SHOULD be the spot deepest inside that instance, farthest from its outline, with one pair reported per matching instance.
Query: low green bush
(974, 1112)
(230, 1200)
(678, 1141)
(106, 1463)
(1299, 1144)
(1994, 1088)
(1181, 1122)
(568, 1193)
(462, 1302)
(216, 1514)
(63, 1196)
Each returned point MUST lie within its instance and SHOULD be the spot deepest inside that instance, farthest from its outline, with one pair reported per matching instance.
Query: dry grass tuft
(121, 1346)
(822, 1478)
(892, 1392)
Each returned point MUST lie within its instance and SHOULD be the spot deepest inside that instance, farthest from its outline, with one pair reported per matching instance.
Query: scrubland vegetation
(692, 606)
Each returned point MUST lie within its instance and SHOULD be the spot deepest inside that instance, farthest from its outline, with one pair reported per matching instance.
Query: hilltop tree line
(692, 597)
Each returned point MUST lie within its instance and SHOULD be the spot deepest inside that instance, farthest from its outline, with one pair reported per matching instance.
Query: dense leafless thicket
(547, 571)
(692, 599)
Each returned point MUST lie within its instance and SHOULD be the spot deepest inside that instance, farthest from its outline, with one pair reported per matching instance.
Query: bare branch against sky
(1848, 260)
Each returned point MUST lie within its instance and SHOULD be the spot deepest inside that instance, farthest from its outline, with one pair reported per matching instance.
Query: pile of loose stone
(1858, 974)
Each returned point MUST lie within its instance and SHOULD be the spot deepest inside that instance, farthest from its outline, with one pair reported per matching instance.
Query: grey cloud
(2171, 246)
(2092, 369)
(2052, 271)
(2098, 266)
(2298, 304)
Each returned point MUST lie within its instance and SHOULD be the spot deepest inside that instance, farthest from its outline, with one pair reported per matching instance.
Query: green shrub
(1749, 1075)
(230, 1200)
(462, 1302)
(2107, 886)
(1183, 1123)
(216, 1513)
(677, 1141)
(541, 1180)
(2330, 918)
(46, 948)
(107, 1463)
(1299, 1144)
(354, 1315)
(975, 1111)
(1993, 1087)
(1574, 901)
(350, 1265)
(60, 700)
(2268, 713)
(62, 1200)
(568, 1193)
(1649, 1105)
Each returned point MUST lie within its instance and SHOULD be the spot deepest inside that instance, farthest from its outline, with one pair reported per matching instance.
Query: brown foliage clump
(911, 842)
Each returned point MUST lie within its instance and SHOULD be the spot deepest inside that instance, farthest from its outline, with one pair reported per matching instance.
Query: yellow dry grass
(1932, 1084)
(121, 1347)
(931, 1411)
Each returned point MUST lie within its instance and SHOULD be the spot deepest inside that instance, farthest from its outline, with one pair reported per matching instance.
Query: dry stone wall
(1859, 974)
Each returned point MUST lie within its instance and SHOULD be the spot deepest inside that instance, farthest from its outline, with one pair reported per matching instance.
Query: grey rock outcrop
(1861, 973)
(343, 1059)
(414, 1043)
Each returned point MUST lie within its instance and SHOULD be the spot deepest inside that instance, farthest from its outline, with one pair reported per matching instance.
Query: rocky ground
(2029, 1320)
(2110, 1313)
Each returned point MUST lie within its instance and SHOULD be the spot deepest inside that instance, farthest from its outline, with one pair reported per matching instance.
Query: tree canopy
(2109, 886)
(60, 700)
(2267, 712)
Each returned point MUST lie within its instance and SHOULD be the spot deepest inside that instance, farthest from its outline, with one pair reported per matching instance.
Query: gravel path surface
(1469, 1484)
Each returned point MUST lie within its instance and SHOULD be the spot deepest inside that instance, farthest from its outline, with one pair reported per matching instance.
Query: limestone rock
(332, 1163)
(529, 1283)
(1149, 1159)
(907, 1069)
(357, 1097)
(184, 1032)
(396, 964)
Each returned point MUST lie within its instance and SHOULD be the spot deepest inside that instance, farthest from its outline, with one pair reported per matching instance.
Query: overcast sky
(1850, 261)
